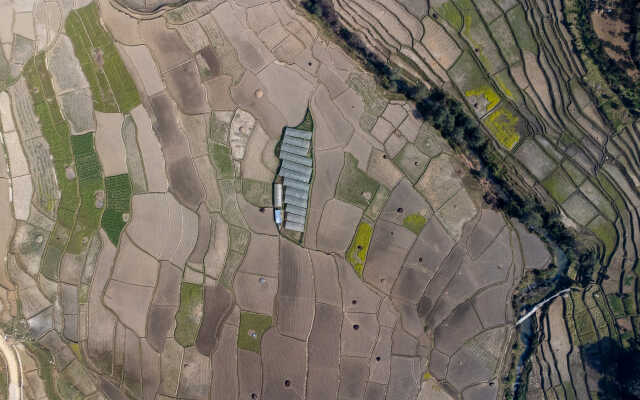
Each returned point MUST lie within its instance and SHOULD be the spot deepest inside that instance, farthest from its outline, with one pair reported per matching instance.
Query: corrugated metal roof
(293, 149)
(296, 210)
(299, 168)
(296, 201)
(277, 195)
(293, 175)
(296, 218)
(295, 184)
(297, 133)
(298, 193)
(293, 226)
(296, 158)
(296, 142)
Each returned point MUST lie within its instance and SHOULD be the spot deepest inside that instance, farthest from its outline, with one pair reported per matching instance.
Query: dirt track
(14, 369)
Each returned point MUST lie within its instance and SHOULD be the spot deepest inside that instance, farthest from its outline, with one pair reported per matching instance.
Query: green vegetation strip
(111, 84)
(307, 123)
(414, 223)
(354, 185)
(252, 328)
(57, 134)
(46, 369)
(357, 254)
(221, 159)
(91, 186)
(450, 13)
(189, 313)
(4, 380)
(118, 198)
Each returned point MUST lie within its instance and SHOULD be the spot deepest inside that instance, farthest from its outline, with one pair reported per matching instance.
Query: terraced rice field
(139, 257)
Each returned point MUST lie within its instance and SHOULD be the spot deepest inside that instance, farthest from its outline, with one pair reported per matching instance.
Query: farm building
(291, 189)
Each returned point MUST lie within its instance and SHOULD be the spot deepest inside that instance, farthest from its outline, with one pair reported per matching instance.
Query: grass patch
(252, 328)
(189, 314)
(218, 130)
(230, 210)
(412, 162)
(4, 380)
(559, 185)
(502, 124)
(374, 102)
(616, 304)
(50, 262)
(467, 75)
(488, 93)
(354, 185)
(414, 223)
(112, 87)
(57, 134)
(450, 13)
(357, 253)
(67, 390)
(90, 183)
(221, 159)
(576, 175)
(46, 369)
(307, 122)
(258, 193)
(378, 202)
(629, 304)
(118, 198)
(606, 232)
(505, 41)
(508, 86)
(524, 37)
(584, 324)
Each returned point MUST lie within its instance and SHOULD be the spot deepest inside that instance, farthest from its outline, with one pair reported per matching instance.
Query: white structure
(296, 169)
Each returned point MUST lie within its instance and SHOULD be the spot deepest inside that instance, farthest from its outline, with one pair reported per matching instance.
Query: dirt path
(14, 370)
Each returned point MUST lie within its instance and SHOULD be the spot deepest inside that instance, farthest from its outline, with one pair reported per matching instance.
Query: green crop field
(252, 327)
(354, 184)
(450, 13)
(414, 223)
(57, 134)
(307, 122)
(189, 313)
(111, 84)
(221, 160)
(90, 183)
(118, 198)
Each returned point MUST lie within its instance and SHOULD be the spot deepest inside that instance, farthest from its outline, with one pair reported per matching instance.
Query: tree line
(464, 135)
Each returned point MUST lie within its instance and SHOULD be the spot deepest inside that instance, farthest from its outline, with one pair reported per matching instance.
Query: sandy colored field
(145, 65)
(17, 161)
(110, 145)
(5, 113)
(151, 151)
(22, 191)
(163, 227)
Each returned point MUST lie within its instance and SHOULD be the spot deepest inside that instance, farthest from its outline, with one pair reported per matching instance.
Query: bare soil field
(401, 286)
